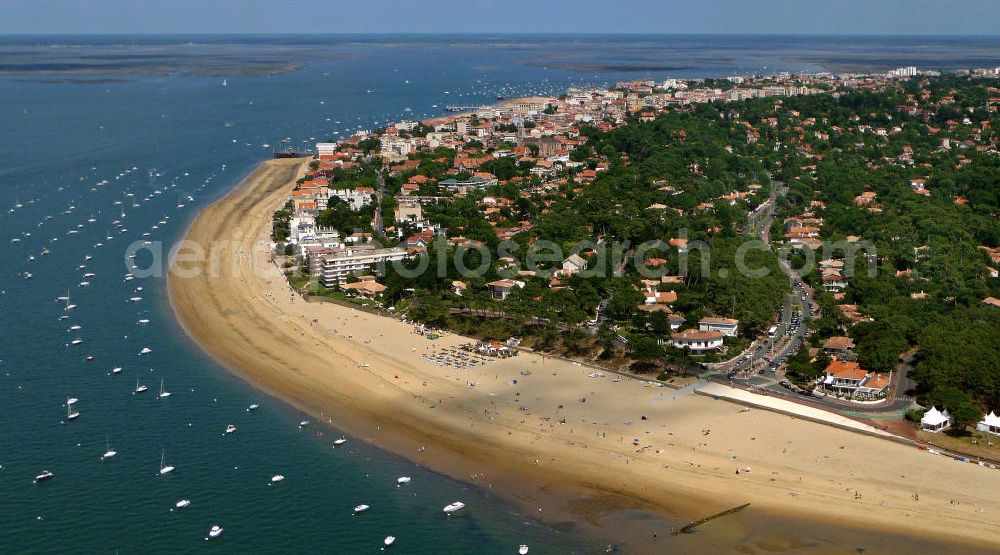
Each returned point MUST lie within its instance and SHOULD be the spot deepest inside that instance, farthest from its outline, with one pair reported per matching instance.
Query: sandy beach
(559, 443)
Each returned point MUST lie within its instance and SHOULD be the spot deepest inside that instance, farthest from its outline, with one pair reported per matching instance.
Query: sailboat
(109, 452)
(163, 393)
(224, 83)
(139, 388)
(70, 413)
(69, 305)
(164, 468)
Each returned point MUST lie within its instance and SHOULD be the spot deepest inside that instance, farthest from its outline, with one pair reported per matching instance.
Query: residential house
(502, 288)
(727, 326)
(873, 387)
(653, 296)
(697, 341)
(573, 264)
(680, 243)
(838, 344)
(368, 289)
(844, 377)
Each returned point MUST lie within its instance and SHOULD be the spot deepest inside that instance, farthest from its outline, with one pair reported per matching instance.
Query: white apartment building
(355, 198)
(326, 149)
(337, 266)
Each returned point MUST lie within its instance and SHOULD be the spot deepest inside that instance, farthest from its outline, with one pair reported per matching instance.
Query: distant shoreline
(377, 385)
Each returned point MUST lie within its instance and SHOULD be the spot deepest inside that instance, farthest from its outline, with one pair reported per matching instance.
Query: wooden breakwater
(690, 527)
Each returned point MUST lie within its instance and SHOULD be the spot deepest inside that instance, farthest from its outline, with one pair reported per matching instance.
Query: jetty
(291, 153)
(690, 527)
(455, 108)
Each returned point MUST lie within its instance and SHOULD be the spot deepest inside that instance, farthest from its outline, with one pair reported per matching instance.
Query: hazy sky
(894, 17)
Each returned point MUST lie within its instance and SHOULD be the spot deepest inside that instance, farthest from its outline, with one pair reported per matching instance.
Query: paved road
(379, 195)
(758, 367)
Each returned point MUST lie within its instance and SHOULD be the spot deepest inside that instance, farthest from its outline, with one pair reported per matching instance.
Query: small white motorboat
(277, 478)
(44, 475)
(522, 549)
(230, 429)
(453, 507)
(76, 341)
(253, 407)
(339, 442)
(182, 503)
(389, 540)
(402, 480)
(215, 532)
(145, 351)
(143, 321)
(303, 424)
(116, 370)
(361, 508)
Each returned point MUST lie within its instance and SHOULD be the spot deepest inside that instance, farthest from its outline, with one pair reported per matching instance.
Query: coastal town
(543, 168)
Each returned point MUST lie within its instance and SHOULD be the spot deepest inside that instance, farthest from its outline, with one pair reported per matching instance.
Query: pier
(290, 153)
(454, 108)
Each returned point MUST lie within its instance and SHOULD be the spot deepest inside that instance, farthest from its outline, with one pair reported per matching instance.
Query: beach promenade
(562, 444)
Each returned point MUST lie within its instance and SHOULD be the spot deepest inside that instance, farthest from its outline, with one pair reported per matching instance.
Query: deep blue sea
(95, 130)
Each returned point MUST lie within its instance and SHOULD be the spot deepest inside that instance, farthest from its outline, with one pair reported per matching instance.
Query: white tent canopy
(935, 419)
(989, 423)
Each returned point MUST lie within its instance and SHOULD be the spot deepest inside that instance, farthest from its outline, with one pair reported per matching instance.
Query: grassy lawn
(321, 291)
(976, 443)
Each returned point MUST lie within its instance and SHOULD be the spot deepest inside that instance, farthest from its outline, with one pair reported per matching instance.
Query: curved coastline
(366, 373)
